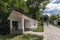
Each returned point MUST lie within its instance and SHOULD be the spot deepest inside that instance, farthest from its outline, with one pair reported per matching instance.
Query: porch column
(11, 26)
(22, 23)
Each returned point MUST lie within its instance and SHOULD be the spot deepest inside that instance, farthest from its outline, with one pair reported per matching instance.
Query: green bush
(5, 37)
(22, 37)
(4, 24)
(39, 29)
(41, 24)
(56, 25)
(32, 37)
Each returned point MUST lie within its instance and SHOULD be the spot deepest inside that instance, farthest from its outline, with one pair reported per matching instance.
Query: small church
(19, 23)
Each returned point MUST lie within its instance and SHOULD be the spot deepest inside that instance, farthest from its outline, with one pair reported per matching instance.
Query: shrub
(39, 29)
(32, 37)
(22, 37)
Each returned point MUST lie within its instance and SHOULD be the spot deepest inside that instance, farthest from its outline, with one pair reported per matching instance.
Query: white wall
(27, 24)
(31, 24)
(34, 24)
(55, 22)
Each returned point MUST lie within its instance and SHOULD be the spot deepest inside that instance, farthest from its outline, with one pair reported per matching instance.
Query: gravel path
(50, 32)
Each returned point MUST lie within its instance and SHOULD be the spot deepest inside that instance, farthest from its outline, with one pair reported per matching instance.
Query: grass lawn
(39, 29)
(56, 25)
(21, 37)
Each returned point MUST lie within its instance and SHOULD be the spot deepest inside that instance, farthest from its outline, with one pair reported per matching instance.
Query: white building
(19, 23)
(57, 21)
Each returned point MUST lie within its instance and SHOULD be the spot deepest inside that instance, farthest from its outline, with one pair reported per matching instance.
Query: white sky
(53, 6)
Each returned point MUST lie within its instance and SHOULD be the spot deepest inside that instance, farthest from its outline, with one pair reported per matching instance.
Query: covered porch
(18, 23)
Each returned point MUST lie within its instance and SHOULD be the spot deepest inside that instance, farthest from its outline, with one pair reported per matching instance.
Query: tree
(53, 17)
(36, 7)
(44, 18)
(20, 5)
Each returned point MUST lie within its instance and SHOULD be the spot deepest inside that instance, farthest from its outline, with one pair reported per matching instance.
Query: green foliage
(58, 26)
(53, 17)
(35, 6)
(21, 6)
(8, 5)
(44, 18)
(4, 24)
(32, 37)
(21, 37)
(6, 37)
(41, 23)
(4, 7)
(39, 29)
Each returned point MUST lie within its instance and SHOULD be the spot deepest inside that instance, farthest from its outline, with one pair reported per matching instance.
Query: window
(34, 24)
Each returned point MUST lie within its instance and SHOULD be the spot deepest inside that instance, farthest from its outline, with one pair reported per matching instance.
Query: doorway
(15, 25)
(58, 23)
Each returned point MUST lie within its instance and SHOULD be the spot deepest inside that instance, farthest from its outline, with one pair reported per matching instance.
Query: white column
(11, 26)
(22, 24)
(19, 25)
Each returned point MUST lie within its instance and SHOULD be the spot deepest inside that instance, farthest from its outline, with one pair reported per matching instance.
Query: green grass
(39, 29)
(21, 37)
(6, 37)
(58, 26)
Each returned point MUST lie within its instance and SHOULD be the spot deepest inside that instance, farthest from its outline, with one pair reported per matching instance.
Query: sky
(53, 7)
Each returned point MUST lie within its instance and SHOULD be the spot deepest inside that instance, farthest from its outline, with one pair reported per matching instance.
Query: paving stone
(50, 32)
